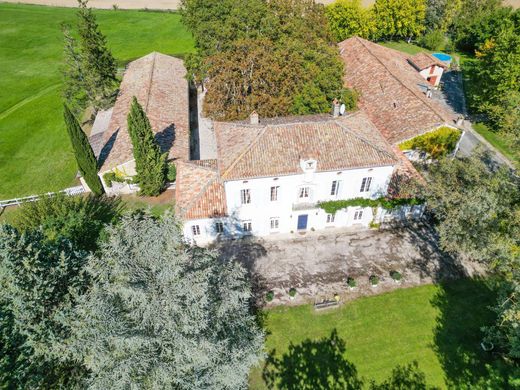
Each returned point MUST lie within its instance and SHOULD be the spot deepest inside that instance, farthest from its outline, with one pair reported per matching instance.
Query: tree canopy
(275, 57)
(349, 18)
(163, 314)
(399, 18)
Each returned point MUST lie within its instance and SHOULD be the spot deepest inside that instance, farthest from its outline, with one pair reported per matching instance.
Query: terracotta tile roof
(392, 91)
(424, 60)
(158, 82)
(246, 151)
(199, 191)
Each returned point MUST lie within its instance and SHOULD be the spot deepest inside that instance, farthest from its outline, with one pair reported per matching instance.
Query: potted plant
(487, 346)
(292, 293)
(269, 296)
(374, 280)
(351, 283)
(396, 276)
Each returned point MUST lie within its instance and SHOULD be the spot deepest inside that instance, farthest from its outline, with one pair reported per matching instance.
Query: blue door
(302, 222)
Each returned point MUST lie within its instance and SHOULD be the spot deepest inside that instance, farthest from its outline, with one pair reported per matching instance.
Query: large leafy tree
(85, 158)
(242, 43)
(478, 214)
(40, 283)
(499, 77)
(162, 314)
(348, 18)
(150, 162)
(399, 18)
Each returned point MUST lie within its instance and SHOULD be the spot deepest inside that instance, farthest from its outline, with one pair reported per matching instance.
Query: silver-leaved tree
(162, 314)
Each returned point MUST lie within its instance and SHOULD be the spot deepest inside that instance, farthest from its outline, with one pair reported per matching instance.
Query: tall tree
(98, 65)
(74, 88)
(165, 315)
(40, 284)
(399, 18)
(348, 18)
(150, 162)
(87, 162)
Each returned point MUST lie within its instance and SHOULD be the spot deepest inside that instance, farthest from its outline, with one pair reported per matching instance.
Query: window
(247, 226)
(245, 196)
(275, 223)
(219, 227)
(365, 184)
(334, 189)
(304, 193)
(274, 193)
(358, 215)
(195, 229)
(330, 218)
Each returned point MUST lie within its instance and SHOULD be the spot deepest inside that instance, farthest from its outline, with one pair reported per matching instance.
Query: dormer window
(308, 166)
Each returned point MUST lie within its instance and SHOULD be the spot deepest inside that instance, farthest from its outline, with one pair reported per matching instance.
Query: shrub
(351, 282)
(269, 296)
(292, 292)
(437, 143)
(171, 174)
(81, 219)
(113, 177)
(374, 280)
(396, 275)
(433, 40)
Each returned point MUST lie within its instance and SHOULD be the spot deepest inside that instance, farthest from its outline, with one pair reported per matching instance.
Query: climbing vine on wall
(331, 207)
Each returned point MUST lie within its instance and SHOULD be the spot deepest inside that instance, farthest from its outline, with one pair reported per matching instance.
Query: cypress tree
(150, 162)
(85, 157)
(74, 91)
(98, 64)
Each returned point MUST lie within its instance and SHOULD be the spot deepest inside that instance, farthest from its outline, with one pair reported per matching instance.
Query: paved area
(318, 264)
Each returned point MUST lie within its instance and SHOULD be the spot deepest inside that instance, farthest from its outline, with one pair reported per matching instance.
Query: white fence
(18, 201)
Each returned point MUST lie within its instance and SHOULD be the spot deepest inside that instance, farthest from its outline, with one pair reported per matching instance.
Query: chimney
(254, 118)
(336, 108)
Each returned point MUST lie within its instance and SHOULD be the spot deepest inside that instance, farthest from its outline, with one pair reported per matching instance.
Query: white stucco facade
(288, 204)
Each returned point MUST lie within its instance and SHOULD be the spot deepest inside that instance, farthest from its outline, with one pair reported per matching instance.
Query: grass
(499, 142)
(438, 326)
(35, 154)
(405, 47)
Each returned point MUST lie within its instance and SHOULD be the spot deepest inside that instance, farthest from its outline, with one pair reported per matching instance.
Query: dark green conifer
(87, 162)
(150, 162)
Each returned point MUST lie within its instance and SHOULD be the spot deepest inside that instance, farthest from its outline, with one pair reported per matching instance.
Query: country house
(268, 176)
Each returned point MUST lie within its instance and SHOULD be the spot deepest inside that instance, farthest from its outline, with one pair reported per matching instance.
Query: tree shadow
(464, 308)
(165, 138)
(312, 365)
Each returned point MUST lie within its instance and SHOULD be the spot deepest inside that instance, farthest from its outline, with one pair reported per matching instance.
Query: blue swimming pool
(442, 57)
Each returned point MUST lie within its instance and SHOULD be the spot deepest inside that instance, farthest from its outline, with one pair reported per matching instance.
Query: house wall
(434, 71)
(289, 207)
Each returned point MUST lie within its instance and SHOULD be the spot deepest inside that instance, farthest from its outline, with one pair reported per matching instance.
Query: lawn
(405, 47)
(35, 154)
(438, 326)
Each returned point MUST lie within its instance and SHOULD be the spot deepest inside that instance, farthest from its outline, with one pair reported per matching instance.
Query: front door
(302, 222)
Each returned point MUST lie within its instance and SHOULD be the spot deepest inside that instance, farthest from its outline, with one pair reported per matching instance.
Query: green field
(35, 154)
(438, 326)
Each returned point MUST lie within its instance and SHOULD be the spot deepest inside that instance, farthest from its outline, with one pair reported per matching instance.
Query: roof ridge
(344, 127)
(398, 80)
(248, 148)
(150, 82)
(191, 162)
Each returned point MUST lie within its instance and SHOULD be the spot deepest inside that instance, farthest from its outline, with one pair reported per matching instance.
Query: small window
(195, 229)
(245, 196)
(365, 184)
(219, 227)
(275, 223)
(247, 226)
(330, 218)
(334, 189)
(304, 193)
(274, 193)
(358, 215)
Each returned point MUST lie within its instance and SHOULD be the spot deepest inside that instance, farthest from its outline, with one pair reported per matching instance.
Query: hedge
(333, 206)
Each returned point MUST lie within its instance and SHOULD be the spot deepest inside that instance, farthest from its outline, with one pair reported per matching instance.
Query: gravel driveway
(318, 264)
